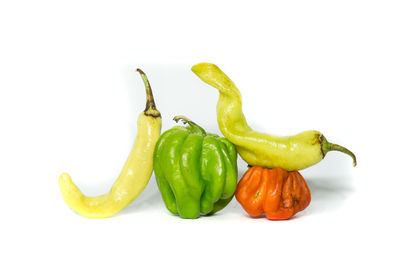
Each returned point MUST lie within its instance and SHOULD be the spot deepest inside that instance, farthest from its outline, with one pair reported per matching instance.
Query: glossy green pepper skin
(196, 172)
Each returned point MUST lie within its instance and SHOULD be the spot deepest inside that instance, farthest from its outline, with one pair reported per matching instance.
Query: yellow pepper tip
(202, 67)
(64, 177)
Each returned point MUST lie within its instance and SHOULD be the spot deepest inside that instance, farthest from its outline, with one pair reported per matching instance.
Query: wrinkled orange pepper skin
(277, 193)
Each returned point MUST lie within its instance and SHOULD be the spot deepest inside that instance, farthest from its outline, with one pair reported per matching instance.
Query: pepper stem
(326, 147)
(184, 119)
(192, 124)
(150, 109)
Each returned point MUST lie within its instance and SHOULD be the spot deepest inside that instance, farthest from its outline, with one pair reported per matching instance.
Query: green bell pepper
(196, 172)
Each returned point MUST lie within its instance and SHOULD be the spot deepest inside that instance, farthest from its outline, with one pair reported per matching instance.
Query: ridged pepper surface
(196, 172)
(277, 193)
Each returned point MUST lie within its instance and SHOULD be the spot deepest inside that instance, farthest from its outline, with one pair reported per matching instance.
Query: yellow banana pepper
(258, 149)
(134, 176)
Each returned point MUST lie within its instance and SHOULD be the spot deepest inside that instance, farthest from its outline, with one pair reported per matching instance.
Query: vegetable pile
(196, 171)
(280, 192)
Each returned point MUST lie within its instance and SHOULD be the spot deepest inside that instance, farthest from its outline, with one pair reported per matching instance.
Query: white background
(69, 100)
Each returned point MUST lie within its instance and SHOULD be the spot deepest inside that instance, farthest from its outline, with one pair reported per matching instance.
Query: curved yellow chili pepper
(134, 176)
(258, 149)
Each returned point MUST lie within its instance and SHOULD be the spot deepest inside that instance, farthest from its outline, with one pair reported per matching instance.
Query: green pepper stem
(150, 109)
(326, 147)
(184, 120)
(192, 124)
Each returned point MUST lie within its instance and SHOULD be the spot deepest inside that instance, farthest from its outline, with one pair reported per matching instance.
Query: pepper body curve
(134, 175)
(259, 149)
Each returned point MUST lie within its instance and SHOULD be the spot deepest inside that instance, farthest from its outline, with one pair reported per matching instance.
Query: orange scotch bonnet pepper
(277, 193)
